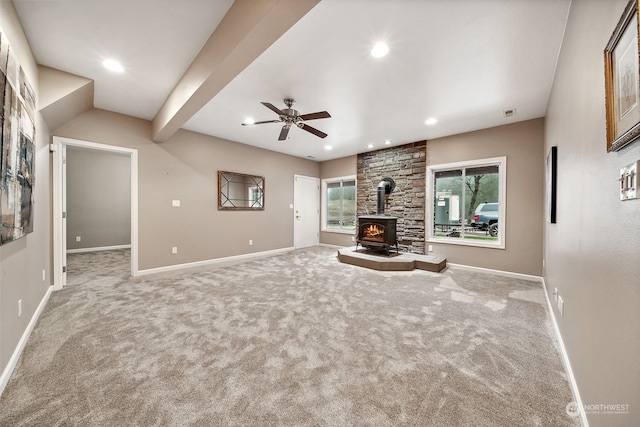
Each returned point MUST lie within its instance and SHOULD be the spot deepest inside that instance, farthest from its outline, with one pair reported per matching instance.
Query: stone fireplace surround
(406, 165)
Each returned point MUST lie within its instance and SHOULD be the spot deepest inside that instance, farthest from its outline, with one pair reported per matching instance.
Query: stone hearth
(404, 261)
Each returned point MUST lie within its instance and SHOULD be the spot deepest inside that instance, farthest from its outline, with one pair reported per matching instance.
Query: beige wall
(593, 252)
(23, 261)
(345, 166)
(63, 96)
(98, 198)
(522, 144)
(185, 168)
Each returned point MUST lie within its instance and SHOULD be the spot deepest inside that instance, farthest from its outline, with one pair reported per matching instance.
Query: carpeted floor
(296, 339)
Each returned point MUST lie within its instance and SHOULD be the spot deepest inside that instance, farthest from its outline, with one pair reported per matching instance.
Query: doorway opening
(60, 199)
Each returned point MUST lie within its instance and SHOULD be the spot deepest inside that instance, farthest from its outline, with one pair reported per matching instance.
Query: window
(469, 202)
(339, 204)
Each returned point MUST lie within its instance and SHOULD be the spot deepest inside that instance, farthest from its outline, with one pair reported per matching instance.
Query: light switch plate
(629, 181)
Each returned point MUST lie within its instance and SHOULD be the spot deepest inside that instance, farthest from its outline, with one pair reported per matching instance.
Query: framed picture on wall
(551, 185)
(17, 147)
(622, 81)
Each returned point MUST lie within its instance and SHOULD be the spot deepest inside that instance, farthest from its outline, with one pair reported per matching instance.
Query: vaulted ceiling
(207, 65)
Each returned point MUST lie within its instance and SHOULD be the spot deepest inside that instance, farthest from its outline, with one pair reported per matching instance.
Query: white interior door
(306, 208)
(63, 152)
(59, 215)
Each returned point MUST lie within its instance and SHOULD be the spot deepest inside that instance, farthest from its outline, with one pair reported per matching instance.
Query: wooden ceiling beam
(245, 32)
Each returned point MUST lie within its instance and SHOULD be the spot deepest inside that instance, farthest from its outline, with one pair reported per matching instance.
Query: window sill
(338, 231)
(461, 242)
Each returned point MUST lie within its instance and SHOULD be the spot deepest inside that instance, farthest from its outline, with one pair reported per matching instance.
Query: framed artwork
(622, 81)
(240, 191)
(17, 147)
(551, 184)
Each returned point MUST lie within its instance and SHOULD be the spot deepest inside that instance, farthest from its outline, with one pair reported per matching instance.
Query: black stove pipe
(384, 187)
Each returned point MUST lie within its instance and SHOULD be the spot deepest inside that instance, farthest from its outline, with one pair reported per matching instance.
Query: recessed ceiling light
(431, 121)
(370, 146)
(328, 147)
(379, 50)
(249, 121)
(113, 65)
(387, 142)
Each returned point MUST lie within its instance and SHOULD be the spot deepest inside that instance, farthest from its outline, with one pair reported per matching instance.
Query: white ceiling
(463, 61)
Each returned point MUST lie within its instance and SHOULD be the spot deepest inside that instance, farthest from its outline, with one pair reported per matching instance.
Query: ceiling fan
(291, 117)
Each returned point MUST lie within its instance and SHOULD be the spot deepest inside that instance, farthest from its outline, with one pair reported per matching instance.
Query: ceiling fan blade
(284, 132)
(314, 131)
(273, 108)
(313, 116)
(261, 123)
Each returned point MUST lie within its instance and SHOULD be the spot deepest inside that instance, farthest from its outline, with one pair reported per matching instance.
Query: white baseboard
(8, 370)
(98, 249)
(565, 360)
(220, 262)
(498, 272)
(327, 245)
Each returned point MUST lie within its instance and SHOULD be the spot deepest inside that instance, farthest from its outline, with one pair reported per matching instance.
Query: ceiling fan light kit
(291, 117)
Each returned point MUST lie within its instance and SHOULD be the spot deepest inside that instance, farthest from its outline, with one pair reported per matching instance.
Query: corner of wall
(63, 96)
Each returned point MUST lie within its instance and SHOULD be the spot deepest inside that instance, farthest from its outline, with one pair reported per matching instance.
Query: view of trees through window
(466, 203)
(341, 205)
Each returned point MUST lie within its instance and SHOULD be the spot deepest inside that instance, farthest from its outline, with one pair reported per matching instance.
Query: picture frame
(17, 147)
(240, 191)
(622, 81)
(551, 185)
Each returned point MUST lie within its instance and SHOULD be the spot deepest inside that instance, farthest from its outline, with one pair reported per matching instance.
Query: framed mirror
(240, 191)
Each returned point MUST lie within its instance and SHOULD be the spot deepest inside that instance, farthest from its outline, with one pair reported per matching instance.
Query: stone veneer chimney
(406, 165)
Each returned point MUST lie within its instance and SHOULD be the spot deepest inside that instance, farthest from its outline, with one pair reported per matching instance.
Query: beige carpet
(295, 339)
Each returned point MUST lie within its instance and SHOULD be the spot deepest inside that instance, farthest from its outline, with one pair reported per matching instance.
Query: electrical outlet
(430, 248)
(174, 250)
(19, 308)
(250, 242)
(78, 238)
(353, 238)
(44, 275)
(175, 203)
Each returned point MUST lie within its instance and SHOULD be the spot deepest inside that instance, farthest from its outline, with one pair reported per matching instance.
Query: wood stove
(377, 232)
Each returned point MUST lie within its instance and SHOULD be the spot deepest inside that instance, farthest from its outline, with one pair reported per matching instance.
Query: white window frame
(323, 208)
(501, 162)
